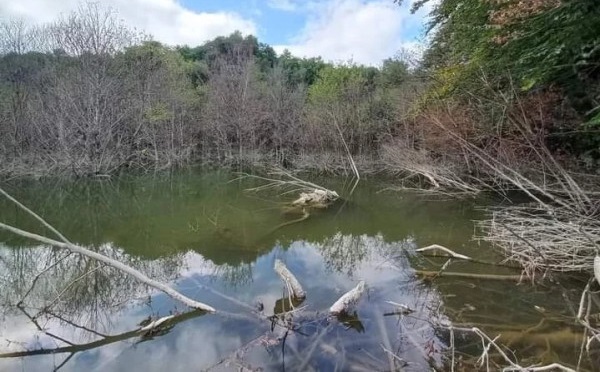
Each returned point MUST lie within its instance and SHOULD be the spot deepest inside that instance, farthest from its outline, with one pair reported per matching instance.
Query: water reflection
(94, 324)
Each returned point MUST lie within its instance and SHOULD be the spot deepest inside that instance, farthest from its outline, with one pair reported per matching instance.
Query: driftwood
(292, 284)
(316, 198)
(349, 299)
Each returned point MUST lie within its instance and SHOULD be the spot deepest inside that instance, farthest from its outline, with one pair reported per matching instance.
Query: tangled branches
(539, 240)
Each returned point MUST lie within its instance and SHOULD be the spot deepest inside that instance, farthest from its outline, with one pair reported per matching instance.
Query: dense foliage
(548, 49)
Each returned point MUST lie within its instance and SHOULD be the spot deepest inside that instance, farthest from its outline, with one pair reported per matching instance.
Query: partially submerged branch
(113, 263)
(349, 299)
(487, 343)
(437, 247)
(106, 340)
(66, 244)
(441, 251)
(289, 279)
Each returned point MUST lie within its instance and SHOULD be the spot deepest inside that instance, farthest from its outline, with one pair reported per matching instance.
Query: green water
(202, 233)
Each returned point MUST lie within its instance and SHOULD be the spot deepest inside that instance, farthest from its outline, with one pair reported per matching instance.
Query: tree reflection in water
(69, 305)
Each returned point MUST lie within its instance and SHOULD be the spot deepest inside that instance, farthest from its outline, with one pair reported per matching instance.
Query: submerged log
(316, 198)
(289, 279)
(434, 274)
(349, 299)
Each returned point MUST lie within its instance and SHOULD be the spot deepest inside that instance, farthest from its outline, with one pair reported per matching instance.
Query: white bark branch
(289, 279)
(446, 250)
(156, 323)
(113, 263)
(35, 215)
(349, 299)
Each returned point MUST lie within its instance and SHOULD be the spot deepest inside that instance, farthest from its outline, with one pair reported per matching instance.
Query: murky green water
(200, 232)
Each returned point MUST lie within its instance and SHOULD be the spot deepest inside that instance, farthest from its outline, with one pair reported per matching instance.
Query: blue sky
(275, 25)
(365, 31)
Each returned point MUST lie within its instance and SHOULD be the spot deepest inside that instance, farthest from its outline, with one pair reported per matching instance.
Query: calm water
(203, 234)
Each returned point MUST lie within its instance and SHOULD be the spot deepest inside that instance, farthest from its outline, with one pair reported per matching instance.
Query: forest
(86, 95)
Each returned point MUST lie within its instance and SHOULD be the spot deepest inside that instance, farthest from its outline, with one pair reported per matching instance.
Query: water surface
(204, 234)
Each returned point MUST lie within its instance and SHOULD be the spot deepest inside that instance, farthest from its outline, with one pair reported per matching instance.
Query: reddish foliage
(528, 122)
(511, 11)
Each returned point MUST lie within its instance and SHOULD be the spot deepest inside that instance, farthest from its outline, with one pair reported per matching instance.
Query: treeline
(87, 95)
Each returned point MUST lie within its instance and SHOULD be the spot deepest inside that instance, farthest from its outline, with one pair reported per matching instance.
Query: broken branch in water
(289, 279)
(447, 252)
(349, 299)
(437, 247)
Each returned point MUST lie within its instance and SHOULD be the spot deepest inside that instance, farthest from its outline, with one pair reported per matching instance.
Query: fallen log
(349, 299)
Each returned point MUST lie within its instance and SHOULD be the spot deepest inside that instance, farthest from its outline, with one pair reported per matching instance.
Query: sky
(364, 31)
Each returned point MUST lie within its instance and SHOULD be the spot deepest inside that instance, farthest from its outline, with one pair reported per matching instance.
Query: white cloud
(364, 31)
(166, 20)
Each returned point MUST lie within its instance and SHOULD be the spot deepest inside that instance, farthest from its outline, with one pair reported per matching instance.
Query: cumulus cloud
(364, 31)
(166, 20)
